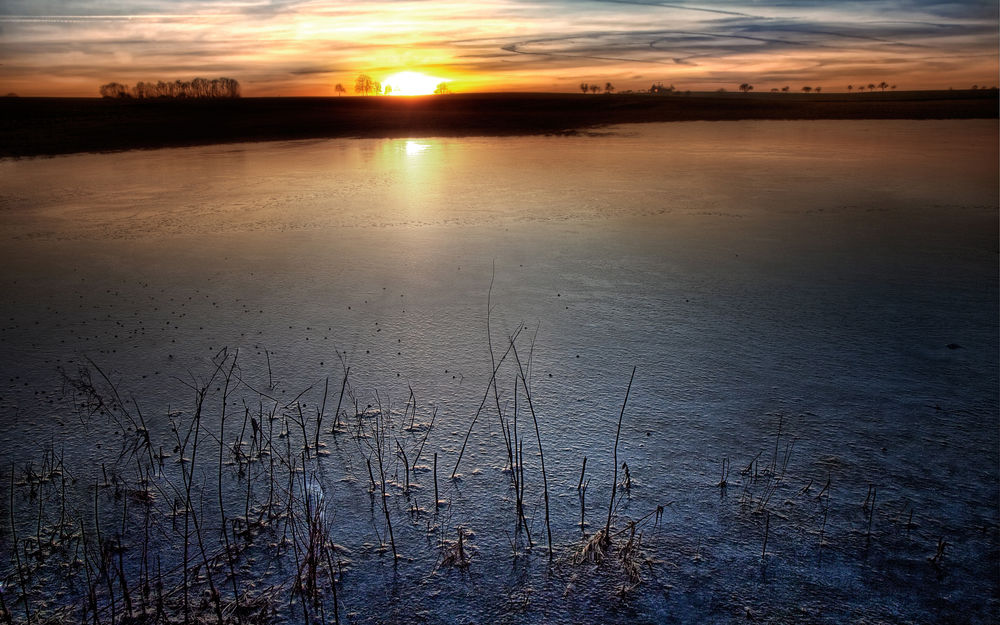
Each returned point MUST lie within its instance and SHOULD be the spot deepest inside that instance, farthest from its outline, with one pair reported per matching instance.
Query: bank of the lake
(45, 126)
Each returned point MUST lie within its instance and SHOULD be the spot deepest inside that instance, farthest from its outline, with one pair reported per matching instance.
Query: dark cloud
(679, 6)
(311, 71)
(740, 33)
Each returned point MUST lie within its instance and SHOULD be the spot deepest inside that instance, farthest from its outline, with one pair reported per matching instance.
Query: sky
(306, 47)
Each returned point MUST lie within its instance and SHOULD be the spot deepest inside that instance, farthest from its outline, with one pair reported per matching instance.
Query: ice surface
(819, 296)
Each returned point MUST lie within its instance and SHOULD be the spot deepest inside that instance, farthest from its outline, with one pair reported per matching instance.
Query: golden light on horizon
(304, 47)
(413, 83)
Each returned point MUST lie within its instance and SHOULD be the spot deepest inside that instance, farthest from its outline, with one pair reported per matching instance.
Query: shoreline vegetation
(50, 126)
(249, 530)
(239, 508)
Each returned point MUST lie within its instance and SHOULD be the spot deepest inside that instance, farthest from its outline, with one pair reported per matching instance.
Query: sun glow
(413, 83)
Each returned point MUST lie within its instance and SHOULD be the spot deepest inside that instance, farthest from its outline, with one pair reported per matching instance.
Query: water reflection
(415, 148)
(724, 170)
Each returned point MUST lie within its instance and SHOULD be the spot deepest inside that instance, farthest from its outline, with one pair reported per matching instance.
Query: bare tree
(442, 89)
(594, 88)
(114, 90)
(807, 89)
(230, 88)
(200, 88)
(818, 89)
(871, 86)
(584, 87)
(364, 84)
(784, 89)
(746, 87)
(850, 87)
(883, 86)
(608, 87)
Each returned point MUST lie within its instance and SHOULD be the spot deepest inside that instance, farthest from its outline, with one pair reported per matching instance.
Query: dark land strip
(48, 126)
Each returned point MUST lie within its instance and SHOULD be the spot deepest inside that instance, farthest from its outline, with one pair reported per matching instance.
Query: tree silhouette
(584, 87)
(883, 86)
(850, 87)
(608, 87)
(818, 89)
(114, 90)
(871, 86)
(807, 89)
(784, 89)
(387, 90)
(364, 84)
(659, 88)
(442, 89)
(746, 88)
(339, 89)
(197, 88)
(595, 88)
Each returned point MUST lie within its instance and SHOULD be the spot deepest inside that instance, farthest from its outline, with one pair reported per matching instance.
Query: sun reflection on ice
(413, 148)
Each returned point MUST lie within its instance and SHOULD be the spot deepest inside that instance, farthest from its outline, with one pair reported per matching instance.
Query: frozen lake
(814, 302)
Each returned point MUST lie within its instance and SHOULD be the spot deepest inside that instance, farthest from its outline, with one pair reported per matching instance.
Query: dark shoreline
(49, 126)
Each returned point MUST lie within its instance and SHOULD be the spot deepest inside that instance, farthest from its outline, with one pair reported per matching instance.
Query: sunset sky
(306, 47)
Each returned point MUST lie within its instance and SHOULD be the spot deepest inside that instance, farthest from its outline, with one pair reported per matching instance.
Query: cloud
(678, 6)
(517, 43)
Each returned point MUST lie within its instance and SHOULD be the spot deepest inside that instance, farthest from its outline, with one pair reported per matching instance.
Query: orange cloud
(304, 47)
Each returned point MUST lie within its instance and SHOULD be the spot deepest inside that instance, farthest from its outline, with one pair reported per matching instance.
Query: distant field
(41, 126)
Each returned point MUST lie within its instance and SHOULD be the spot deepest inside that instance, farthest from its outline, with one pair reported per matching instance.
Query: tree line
(660, 89)
(197, 88)
(608, 88)
(872, 87)
(747, 87)
(366, 85)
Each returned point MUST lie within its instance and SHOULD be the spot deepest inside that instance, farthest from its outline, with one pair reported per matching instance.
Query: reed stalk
(17, 551)
(319, 414)
(767, 529)
(222, 508)
(614, 479)
(336, 415)
(541, 454)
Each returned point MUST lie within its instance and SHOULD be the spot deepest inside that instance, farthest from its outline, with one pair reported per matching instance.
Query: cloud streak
(68, 47)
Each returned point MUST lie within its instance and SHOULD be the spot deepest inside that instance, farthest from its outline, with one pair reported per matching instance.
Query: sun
(413, 83)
